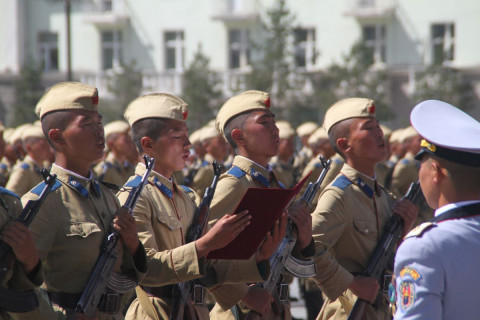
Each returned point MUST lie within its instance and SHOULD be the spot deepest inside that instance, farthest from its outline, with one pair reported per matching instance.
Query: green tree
(444, 83)
(357, 75)
(28, 90)
(200, 90)
(125, 84)
(271, 64)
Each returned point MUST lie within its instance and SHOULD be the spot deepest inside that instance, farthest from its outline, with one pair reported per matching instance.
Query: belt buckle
(112, 303)
(198, 294)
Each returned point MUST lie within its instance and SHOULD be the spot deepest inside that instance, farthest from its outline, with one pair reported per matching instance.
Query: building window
(304, 48)
(106, 5)
(174, 50)
(238, 48)
(443, 42)
(374, 39)
(111, 49)
(48, 50)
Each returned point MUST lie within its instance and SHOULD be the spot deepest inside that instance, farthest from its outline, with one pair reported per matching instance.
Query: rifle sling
(20, 302)
(70, 300)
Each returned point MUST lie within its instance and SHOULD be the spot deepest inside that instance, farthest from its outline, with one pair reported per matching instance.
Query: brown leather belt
(164, 292)
(109, 302)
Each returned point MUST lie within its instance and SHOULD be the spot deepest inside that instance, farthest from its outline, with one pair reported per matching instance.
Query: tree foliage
(200, 90)
(440, 82)
(271, 65)
(125, 84)
(28, 90)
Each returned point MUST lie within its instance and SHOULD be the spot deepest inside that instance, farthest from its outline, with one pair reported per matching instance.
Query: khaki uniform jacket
(16, 279)
(112, 171)
(204, 177)
(316, 168)
(163, 213)
(285, 172)
(24, 176)
(230, 190)
(5, 169)
(69, 231)
(347, 225)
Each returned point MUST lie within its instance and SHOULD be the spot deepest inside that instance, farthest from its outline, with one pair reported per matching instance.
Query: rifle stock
(384, 251)
(181, 292)
(282, 258)
(26, 217)
(97, 283)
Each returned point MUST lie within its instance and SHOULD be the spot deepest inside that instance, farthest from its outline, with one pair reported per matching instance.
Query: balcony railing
(108, 13)
(370, 8)
(235, 10)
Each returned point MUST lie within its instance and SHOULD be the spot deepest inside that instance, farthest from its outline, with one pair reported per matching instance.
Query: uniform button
(366, 230)
(103, 215)
(170, 227)
(74, 183)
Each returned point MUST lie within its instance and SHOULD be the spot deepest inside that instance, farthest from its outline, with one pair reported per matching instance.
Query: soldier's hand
(124, 224)
(19, 238)
(259, 300)
(302, 218)
(223, 232)
(273, 239)
(408, 211)
(365, 288)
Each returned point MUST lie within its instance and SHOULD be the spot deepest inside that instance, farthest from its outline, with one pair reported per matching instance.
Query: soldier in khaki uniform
(199, 152)
(304, 155)
(352, 211)
(216, 149)
(384, 168)
(282, 163)
(26, 174)
(120, 162)
(26, 270)
(165, 210)
(249, 126)
(79, 212)
(406, 172)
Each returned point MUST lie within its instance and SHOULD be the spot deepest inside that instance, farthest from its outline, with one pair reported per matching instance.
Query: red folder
(265, 206)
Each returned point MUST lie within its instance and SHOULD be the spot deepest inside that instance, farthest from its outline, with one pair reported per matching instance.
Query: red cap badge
(371, 109)
(95, 99)
(267, 102)
(185, 114)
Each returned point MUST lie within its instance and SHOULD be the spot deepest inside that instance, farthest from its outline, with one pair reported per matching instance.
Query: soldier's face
(366, 141)
(217, 147)
(172, 149)
(261, 134)
(83, 139)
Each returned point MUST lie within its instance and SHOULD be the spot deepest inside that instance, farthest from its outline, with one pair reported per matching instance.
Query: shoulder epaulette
(405, 161)
(204, 163)
(24, 166)
(39, 188)
(186, 189)
(134, 182)
(318, 165)
(8, 192)
(236, 172)
(3, 166)
(342, 182)
(337, 161)
(420, 229)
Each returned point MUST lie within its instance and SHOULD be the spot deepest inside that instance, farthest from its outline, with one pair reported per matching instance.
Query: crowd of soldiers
(95, 166)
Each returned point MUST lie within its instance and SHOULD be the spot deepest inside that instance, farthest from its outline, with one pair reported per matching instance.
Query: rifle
(101, 274)
(181, 292)
(26, 217)
(282, 258)
(384, 250)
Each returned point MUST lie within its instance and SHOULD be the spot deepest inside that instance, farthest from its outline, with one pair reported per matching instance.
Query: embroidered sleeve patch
(407, 287)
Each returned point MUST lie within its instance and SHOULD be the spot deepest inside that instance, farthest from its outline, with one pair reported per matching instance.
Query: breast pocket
(366, 227)
(82, 229)
(168, 221)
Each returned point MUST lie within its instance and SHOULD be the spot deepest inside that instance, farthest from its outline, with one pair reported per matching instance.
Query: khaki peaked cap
(306, 128)
(156, 105)
(246, 101)
(347, 109)
(118, 126)
(67, 96)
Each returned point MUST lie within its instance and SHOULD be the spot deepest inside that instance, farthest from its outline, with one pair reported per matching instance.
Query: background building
(160, 38)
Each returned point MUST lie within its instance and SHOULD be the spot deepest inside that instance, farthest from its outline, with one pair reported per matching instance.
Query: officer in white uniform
(436, 266)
